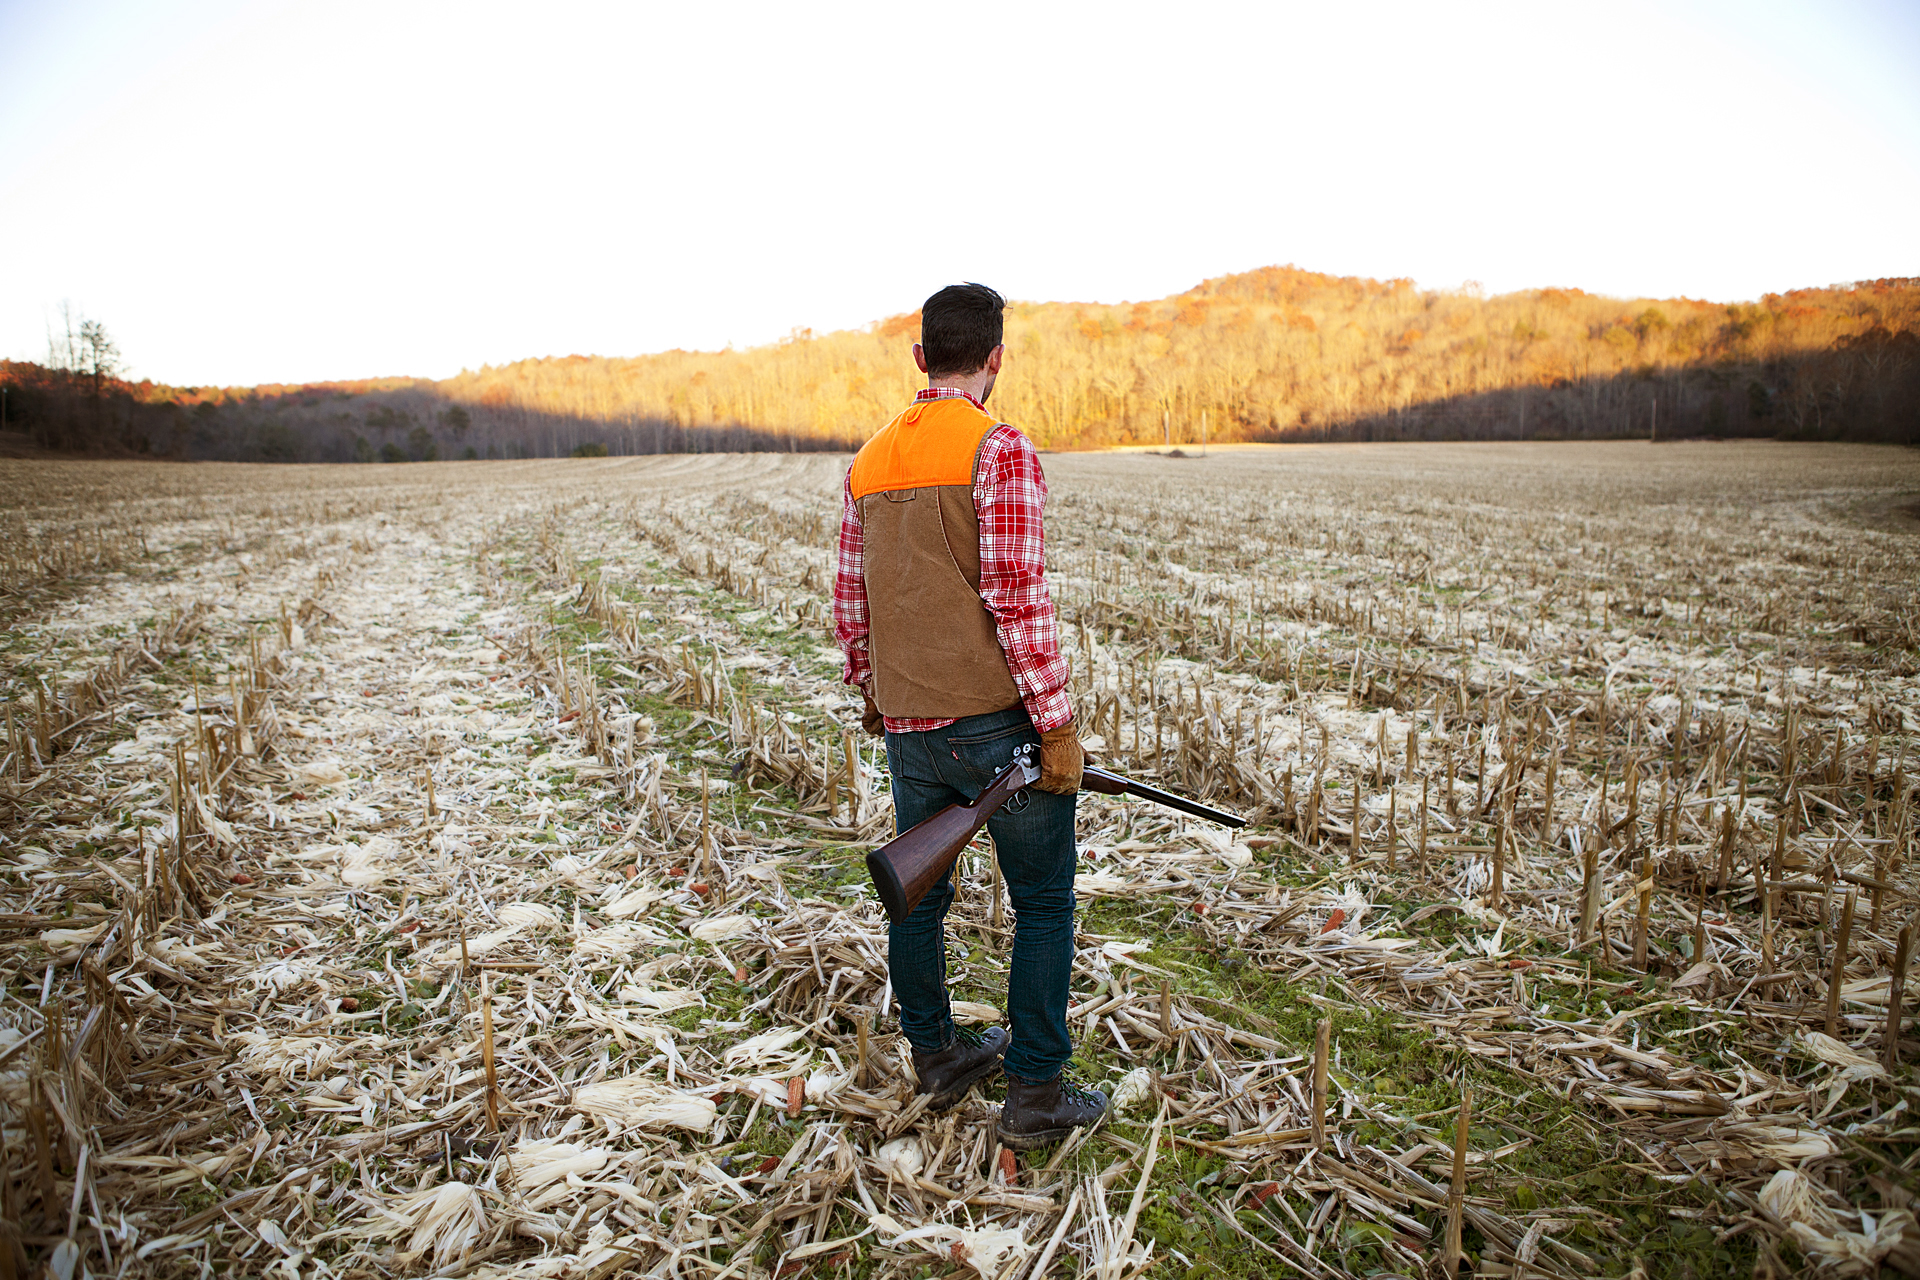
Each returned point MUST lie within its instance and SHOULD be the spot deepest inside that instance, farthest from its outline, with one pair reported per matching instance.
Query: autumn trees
(1273, 354)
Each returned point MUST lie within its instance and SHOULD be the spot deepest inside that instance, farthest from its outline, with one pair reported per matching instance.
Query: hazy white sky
(287, 192)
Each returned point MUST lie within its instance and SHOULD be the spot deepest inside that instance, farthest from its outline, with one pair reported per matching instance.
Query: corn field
(455, 869)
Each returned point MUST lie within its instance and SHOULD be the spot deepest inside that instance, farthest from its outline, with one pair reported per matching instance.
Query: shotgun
(906, 867)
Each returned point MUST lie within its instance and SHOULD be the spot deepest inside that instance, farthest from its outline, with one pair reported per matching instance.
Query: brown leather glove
(870, 718)
(1061, 760)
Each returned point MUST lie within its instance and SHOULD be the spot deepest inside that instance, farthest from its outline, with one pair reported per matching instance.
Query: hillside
(1275, 354)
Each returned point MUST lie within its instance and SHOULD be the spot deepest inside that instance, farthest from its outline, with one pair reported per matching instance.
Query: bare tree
(82, 347)
(85, 354)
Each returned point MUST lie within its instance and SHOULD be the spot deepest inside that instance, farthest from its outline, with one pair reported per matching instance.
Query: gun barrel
(1107, 782)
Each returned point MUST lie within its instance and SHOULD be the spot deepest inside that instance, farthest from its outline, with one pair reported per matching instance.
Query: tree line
(1276, 354)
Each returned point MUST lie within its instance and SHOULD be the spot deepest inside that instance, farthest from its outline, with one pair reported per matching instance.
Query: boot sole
(957, 1093)
(1030, 1141)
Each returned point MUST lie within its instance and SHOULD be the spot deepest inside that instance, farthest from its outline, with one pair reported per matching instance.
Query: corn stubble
(427, 870)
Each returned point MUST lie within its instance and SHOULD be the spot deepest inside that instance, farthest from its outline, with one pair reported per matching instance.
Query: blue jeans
(1035, 847)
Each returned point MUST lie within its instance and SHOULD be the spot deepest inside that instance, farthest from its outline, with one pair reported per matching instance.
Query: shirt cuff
(1050, 710)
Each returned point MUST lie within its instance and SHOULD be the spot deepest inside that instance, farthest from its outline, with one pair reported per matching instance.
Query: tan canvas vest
(932, 640)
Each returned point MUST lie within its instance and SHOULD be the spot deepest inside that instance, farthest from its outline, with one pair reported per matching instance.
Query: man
(942, 609)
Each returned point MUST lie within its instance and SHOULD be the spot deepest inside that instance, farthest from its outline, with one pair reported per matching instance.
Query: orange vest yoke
(935, 442)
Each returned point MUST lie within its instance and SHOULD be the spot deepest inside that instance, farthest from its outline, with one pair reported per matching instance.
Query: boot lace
(1079, 1092)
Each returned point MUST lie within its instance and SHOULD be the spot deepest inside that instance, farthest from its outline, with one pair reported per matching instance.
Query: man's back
(932, 639)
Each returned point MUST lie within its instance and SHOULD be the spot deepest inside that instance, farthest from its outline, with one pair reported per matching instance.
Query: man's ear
(993, 358)
(920, 357)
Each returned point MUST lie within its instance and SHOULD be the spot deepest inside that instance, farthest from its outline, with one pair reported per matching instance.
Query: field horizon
(1274, 354)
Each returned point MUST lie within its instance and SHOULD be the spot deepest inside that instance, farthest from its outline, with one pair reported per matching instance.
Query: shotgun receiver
(906, 867)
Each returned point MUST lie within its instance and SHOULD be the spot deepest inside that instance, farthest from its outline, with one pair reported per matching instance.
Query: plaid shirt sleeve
(1010, 493)
(850, 615)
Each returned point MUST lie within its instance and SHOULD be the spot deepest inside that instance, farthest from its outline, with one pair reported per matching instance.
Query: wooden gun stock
(906, 867)
(910, 864)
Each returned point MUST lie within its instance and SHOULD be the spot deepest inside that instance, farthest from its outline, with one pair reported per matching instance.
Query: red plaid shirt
(1009, 493)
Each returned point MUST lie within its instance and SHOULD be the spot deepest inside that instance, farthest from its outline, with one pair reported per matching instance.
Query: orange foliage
(1192, 312)
(1274, 354)
(1254, 351)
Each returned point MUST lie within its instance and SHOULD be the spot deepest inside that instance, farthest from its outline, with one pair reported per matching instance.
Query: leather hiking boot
(970, 1057)
(1040, 1113)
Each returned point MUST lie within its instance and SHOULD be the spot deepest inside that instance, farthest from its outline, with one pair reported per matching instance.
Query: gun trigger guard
(1018, 801)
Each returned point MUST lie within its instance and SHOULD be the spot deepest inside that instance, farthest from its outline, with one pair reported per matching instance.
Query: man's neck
(974, 385)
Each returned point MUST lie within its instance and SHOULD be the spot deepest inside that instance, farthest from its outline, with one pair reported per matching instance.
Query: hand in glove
(1061, 760)
(870, 718)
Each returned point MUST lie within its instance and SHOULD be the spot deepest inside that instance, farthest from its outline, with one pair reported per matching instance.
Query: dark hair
(959, 327)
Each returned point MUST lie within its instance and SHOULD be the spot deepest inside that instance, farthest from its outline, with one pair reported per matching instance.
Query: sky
(262, 192)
